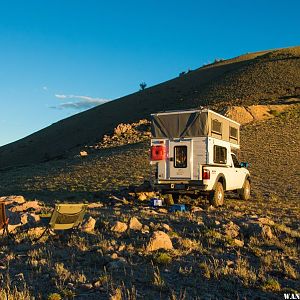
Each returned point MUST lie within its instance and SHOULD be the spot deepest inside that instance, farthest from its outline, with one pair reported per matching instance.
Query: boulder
(239, 114)
(135, 224)
(254, 228)
(119, 227)
(89, 225)
(83, 153)
(231, 230)
(32, 205)
(13, 199)
(159, 240)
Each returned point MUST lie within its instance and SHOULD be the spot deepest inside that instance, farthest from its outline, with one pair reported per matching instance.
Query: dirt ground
(244, 250)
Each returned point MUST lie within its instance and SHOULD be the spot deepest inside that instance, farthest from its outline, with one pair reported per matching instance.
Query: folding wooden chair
(3, 219)
(65, 216)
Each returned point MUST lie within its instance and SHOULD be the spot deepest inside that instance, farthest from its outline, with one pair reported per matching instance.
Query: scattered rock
(238, 243)
(117, 264)
(86, 286)
(195, 209)
(89, 225)
(145, 195)
(13, 199)
(267, 232)
(159, 240)
(231, 230)
(119, 227)
(145, 229)
(122, 248)
(37, 231)
(83, 153)
(135, 224)
(114, 256)
(162, 210)
(29, 218)
(254, 228)
(166, 227)
(149, 212)
(95, 205)
(266, 221)
(30, 205)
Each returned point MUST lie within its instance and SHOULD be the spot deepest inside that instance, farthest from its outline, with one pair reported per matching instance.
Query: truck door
(180, 159)
(238, 174)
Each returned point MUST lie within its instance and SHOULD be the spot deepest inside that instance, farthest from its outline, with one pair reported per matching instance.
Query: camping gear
(65, 216)
(177, 207)
(156, 202)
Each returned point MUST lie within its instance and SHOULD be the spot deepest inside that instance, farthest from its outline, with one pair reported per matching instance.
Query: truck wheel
(217, 196)
(244, 192)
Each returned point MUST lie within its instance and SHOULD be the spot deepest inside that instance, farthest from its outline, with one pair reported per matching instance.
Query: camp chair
(3, 219)
(65, 216)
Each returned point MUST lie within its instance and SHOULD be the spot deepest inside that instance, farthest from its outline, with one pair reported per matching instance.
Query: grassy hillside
(262, 77)
(241, 250)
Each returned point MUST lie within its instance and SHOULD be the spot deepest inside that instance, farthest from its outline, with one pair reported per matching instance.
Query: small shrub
(205, 270)
(157, 279)
(271, 284)
(274, 112)
(162, 258)
(54, 296)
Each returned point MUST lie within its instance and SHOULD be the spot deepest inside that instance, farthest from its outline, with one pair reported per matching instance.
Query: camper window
(220, 155)
(233, 133)
(216, 127)
(180, 156)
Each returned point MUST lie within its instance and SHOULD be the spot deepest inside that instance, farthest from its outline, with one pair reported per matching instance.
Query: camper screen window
(220, 155)
(180, 156)
(216, 127)
(233, 133)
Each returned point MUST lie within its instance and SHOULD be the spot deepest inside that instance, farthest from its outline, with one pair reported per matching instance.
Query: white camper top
(170, 112)
(195, 123)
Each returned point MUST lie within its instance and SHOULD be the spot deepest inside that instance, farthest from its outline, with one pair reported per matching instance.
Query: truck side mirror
(244, 165)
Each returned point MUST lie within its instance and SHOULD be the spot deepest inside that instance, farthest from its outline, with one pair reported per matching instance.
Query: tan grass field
(243, 250)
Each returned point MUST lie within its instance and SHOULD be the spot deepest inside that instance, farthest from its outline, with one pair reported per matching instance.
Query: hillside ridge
(259, 78)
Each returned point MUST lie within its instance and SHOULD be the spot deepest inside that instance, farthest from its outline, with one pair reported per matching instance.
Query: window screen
(220, 155)
(233, 133)
(216, 127)
(180, 156)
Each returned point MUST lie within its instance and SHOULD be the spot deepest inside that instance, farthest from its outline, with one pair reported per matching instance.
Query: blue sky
(60, 57)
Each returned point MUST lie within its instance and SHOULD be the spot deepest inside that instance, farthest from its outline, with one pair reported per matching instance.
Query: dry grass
(205, 262)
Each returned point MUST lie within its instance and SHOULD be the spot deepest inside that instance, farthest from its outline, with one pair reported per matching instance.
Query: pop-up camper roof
(194, 123)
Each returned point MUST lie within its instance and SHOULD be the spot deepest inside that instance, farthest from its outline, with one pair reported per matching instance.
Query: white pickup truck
(194, 152)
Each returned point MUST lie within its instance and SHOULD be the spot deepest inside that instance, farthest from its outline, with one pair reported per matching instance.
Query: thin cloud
(83, 102)
(45, 88)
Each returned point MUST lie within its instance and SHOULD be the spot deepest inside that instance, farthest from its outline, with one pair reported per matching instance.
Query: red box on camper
(158, 152)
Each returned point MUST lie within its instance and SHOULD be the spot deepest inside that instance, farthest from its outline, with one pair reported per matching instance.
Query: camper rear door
(180, 156)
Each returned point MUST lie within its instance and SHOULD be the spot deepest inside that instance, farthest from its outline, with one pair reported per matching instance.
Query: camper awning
(179, 124)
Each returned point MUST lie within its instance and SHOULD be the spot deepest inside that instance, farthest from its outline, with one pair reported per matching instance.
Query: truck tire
(244, 192)
(217, 195)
